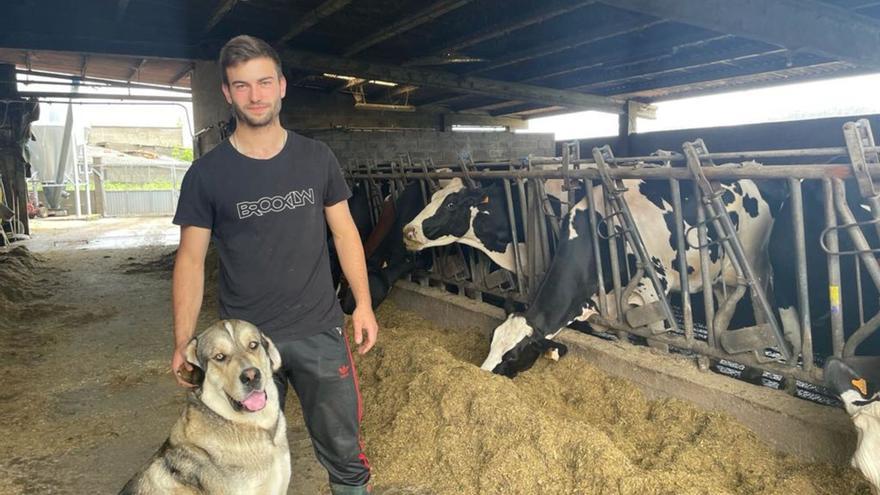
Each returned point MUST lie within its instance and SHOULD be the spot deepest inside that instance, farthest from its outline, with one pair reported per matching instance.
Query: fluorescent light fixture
(337, 76)
(382, 83)
(478, 128)
(385, 107)
(353, 78)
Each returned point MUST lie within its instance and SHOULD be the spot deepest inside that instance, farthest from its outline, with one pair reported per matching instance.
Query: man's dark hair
(244, 48)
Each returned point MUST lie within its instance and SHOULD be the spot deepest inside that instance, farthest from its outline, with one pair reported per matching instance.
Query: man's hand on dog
(181, 368)
(366, 329)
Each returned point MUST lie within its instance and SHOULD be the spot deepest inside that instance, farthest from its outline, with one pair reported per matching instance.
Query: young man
(263, 197)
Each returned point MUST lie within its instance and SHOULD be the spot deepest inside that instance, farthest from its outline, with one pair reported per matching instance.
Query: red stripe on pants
(360, 403)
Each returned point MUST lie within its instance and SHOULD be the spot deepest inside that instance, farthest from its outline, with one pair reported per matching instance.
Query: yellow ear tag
(485, 200)
(861, 385)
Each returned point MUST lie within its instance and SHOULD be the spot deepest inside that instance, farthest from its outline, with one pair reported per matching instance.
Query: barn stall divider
(850, 216)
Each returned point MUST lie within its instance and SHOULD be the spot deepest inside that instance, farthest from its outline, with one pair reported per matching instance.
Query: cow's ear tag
(861, 385)
(485, 200)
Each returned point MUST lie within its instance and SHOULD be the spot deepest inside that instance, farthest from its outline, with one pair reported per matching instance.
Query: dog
(856, 380)
(232, 436)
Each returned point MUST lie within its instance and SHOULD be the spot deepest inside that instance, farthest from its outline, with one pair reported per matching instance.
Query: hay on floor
(435, 423)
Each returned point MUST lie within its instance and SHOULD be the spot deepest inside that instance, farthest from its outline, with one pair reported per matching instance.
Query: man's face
(255, 91)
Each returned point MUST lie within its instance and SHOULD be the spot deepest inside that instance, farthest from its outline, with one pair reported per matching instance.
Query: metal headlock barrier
(600, 179)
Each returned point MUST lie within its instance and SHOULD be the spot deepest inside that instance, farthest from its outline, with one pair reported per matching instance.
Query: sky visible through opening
(849, 96)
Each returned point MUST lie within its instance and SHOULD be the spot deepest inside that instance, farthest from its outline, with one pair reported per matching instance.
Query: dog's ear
(197, 375)
(191, 353)
(272, 352)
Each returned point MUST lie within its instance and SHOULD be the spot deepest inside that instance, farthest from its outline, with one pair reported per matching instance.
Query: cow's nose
(410, 232)
(250, 376)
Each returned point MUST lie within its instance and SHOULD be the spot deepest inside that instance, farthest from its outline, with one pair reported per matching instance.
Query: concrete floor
(88, 396)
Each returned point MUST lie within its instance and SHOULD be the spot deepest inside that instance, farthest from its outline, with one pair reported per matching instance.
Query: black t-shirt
(267, 223)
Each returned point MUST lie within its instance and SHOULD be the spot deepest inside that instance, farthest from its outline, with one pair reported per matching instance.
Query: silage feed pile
(18, 287)
(436, 424)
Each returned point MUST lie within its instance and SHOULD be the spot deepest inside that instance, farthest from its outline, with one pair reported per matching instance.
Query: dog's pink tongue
(255, 401)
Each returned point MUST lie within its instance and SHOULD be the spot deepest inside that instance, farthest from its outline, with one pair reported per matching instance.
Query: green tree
(183, 154)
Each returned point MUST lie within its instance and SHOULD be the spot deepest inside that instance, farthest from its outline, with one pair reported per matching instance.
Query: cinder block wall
(443, 147)
(165, 137)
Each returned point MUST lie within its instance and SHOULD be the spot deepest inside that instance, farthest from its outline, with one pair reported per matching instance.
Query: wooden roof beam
(523, 112)
(494, 106)
(443, 100)
(223, 8)
(662, 68)
(603, 60)
(737, 80)
(636, 73)
(503, 30)
(655, 66)
(306, 21)
(445, 80)
(569, 42)
(498, 31)
(808, 25)
(423, 16)
(182, 74)
(136, 68)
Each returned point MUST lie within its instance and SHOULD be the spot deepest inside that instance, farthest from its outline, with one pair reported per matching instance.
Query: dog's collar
(863, 403)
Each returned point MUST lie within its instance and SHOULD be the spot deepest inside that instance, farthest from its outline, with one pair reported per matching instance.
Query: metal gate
(761, 347)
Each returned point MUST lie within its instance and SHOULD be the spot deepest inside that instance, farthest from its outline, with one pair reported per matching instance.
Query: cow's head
(476, 216)
(515, 346)
(857, 381)
(447, 218)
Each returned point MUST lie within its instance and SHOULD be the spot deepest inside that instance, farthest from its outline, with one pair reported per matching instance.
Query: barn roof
(502, 57)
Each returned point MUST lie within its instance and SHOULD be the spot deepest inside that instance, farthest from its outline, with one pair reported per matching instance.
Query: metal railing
(762, 346)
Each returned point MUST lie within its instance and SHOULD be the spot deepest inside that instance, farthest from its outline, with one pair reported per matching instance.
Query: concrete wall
(312, 111)
(209, 106)
(306, 109)
(163, 137)
(443, 147)
(142, 173)
(303, 108)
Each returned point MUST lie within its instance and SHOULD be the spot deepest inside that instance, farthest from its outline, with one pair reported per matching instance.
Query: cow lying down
(857, 381)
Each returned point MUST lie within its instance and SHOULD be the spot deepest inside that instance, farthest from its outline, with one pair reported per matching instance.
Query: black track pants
(322, 374)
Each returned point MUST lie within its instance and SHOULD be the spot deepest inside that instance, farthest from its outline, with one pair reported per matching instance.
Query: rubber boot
(337, 489)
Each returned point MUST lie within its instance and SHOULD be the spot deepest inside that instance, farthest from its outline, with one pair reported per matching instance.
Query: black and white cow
(359, 206)
(568, 291)
(390, 259)
(846, 295)
(475, 216)
(857, 381)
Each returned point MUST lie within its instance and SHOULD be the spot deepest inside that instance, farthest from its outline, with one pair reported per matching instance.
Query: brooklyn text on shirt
(275, 204)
